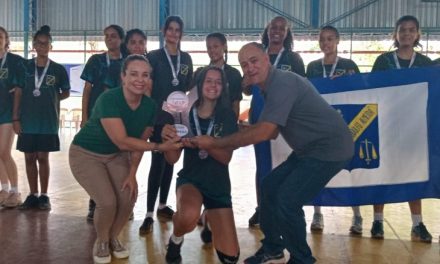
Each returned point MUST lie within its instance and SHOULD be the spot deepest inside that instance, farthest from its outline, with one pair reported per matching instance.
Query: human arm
(16, 111)
(64, 94)
(85, 102)
(130, 182)
(257, 133)
(168, 134)
(114, 128)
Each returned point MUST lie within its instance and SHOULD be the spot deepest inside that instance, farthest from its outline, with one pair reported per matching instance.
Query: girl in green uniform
(11, 76)
(105, 154)
(96, 76)
(331, 66)
(172, 71)
(36, 116)
(204, 179)
(406, 37)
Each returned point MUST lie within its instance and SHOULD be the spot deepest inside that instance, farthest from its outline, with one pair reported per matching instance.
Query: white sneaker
(118, 249)
(356, 226)
(3, 196)
(318, 222)
(101, 253)
(13, 200)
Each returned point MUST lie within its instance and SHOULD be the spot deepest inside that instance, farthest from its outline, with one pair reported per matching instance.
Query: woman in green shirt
(105, 154)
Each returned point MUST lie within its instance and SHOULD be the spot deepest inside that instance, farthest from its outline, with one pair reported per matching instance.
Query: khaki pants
(102, 177)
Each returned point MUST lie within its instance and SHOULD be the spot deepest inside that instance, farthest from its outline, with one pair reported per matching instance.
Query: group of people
(125, 89)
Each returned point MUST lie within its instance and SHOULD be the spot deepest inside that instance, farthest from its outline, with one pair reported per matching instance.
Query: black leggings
(161, 173)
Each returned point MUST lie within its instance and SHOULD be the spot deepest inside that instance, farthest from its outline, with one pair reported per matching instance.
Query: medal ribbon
(39, 81)
(396, 60)
(324, 72)
(174, 71)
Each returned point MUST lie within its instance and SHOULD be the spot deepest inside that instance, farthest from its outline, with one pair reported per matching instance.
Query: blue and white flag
(394, 117)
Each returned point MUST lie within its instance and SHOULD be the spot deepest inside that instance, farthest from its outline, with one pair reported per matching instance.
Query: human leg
(377, 227)
(308, 177)
(224, 233)
(318, 220)
(189, 203)
(356, 225)
(419, 232)
(164, 210)
(9, 195)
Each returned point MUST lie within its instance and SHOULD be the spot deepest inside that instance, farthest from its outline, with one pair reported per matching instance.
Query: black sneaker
(173, 253)
(91, 213)
(44, 202)
(31, 202)
(165, 212)
(263, 257)
(255, 218)
(146, 227)
(206, 234)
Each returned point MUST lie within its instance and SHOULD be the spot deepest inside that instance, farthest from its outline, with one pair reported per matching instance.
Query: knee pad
(225, 259)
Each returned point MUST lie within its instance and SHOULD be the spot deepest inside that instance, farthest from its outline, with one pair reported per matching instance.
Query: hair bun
(45, 29)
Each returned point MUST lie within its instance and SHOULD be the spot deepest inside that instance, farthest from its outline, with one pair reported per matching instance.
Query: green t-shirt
(343, 67)
(162, 74)
(289, 61)
(208, 175)
(40, 114)
(11, 75)
(112, 104)
(99, 75)
(386, 62)
(234, 81)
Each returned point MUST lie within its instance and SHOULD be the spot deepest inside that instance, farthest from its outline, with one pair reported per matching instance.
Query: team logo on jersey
(4, 73)
(362, 120)
(184, 69)
(285, 67)
(218, 130)
(50, 80)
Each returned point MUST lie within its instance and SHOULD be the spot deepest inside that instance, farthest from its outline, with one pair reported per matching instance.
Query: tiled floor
(63, 235)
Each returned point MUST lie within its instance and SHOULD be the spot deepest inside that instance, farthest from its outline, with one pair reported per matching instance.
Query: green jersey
(112, 104)
(316, 69)
(100, 72)
(208, 174)
(39, 114)
(387, 61)
(11, 75)
(163, 74)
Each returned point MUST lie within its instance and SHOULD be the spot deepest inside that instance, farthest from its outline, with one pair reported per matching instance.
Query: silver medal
(175, 82)
(203, 154)
(36, 93)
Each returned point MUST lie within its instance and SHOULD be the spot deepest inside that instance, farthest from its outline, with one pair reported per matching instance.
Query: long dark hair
(121, 34)
(288, 41)
(406, 18)
(223, 101)
(176, 19)
(222, 38)
(130, 34)
(2, 29)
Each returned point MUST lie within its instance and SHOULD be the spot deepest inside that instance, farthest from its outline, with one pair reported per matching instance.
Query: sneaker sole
(121, 255)
(418, 239)
(102, 260)
(377, 236)
(355, 231)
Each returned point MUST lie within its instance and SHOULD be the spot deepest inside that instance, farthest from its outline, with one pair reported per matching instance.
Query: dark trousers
(283, 193)
(161, 173)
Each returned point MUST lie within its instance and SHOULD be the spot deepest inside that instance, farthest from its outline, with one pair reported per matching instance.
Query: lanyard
(39, 80)
(275, 64)
(107, 58)
(197, 124)
(324, 72)
(174, 71)
(396, 60)
(4, 60)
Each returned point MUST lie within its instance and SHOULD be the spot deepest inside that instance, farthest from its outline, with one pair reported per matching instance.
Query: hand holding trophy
(177, 105)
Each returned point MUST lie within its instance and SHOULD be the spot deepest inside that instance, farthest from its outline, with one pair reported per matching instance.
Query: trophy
(177, 104)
